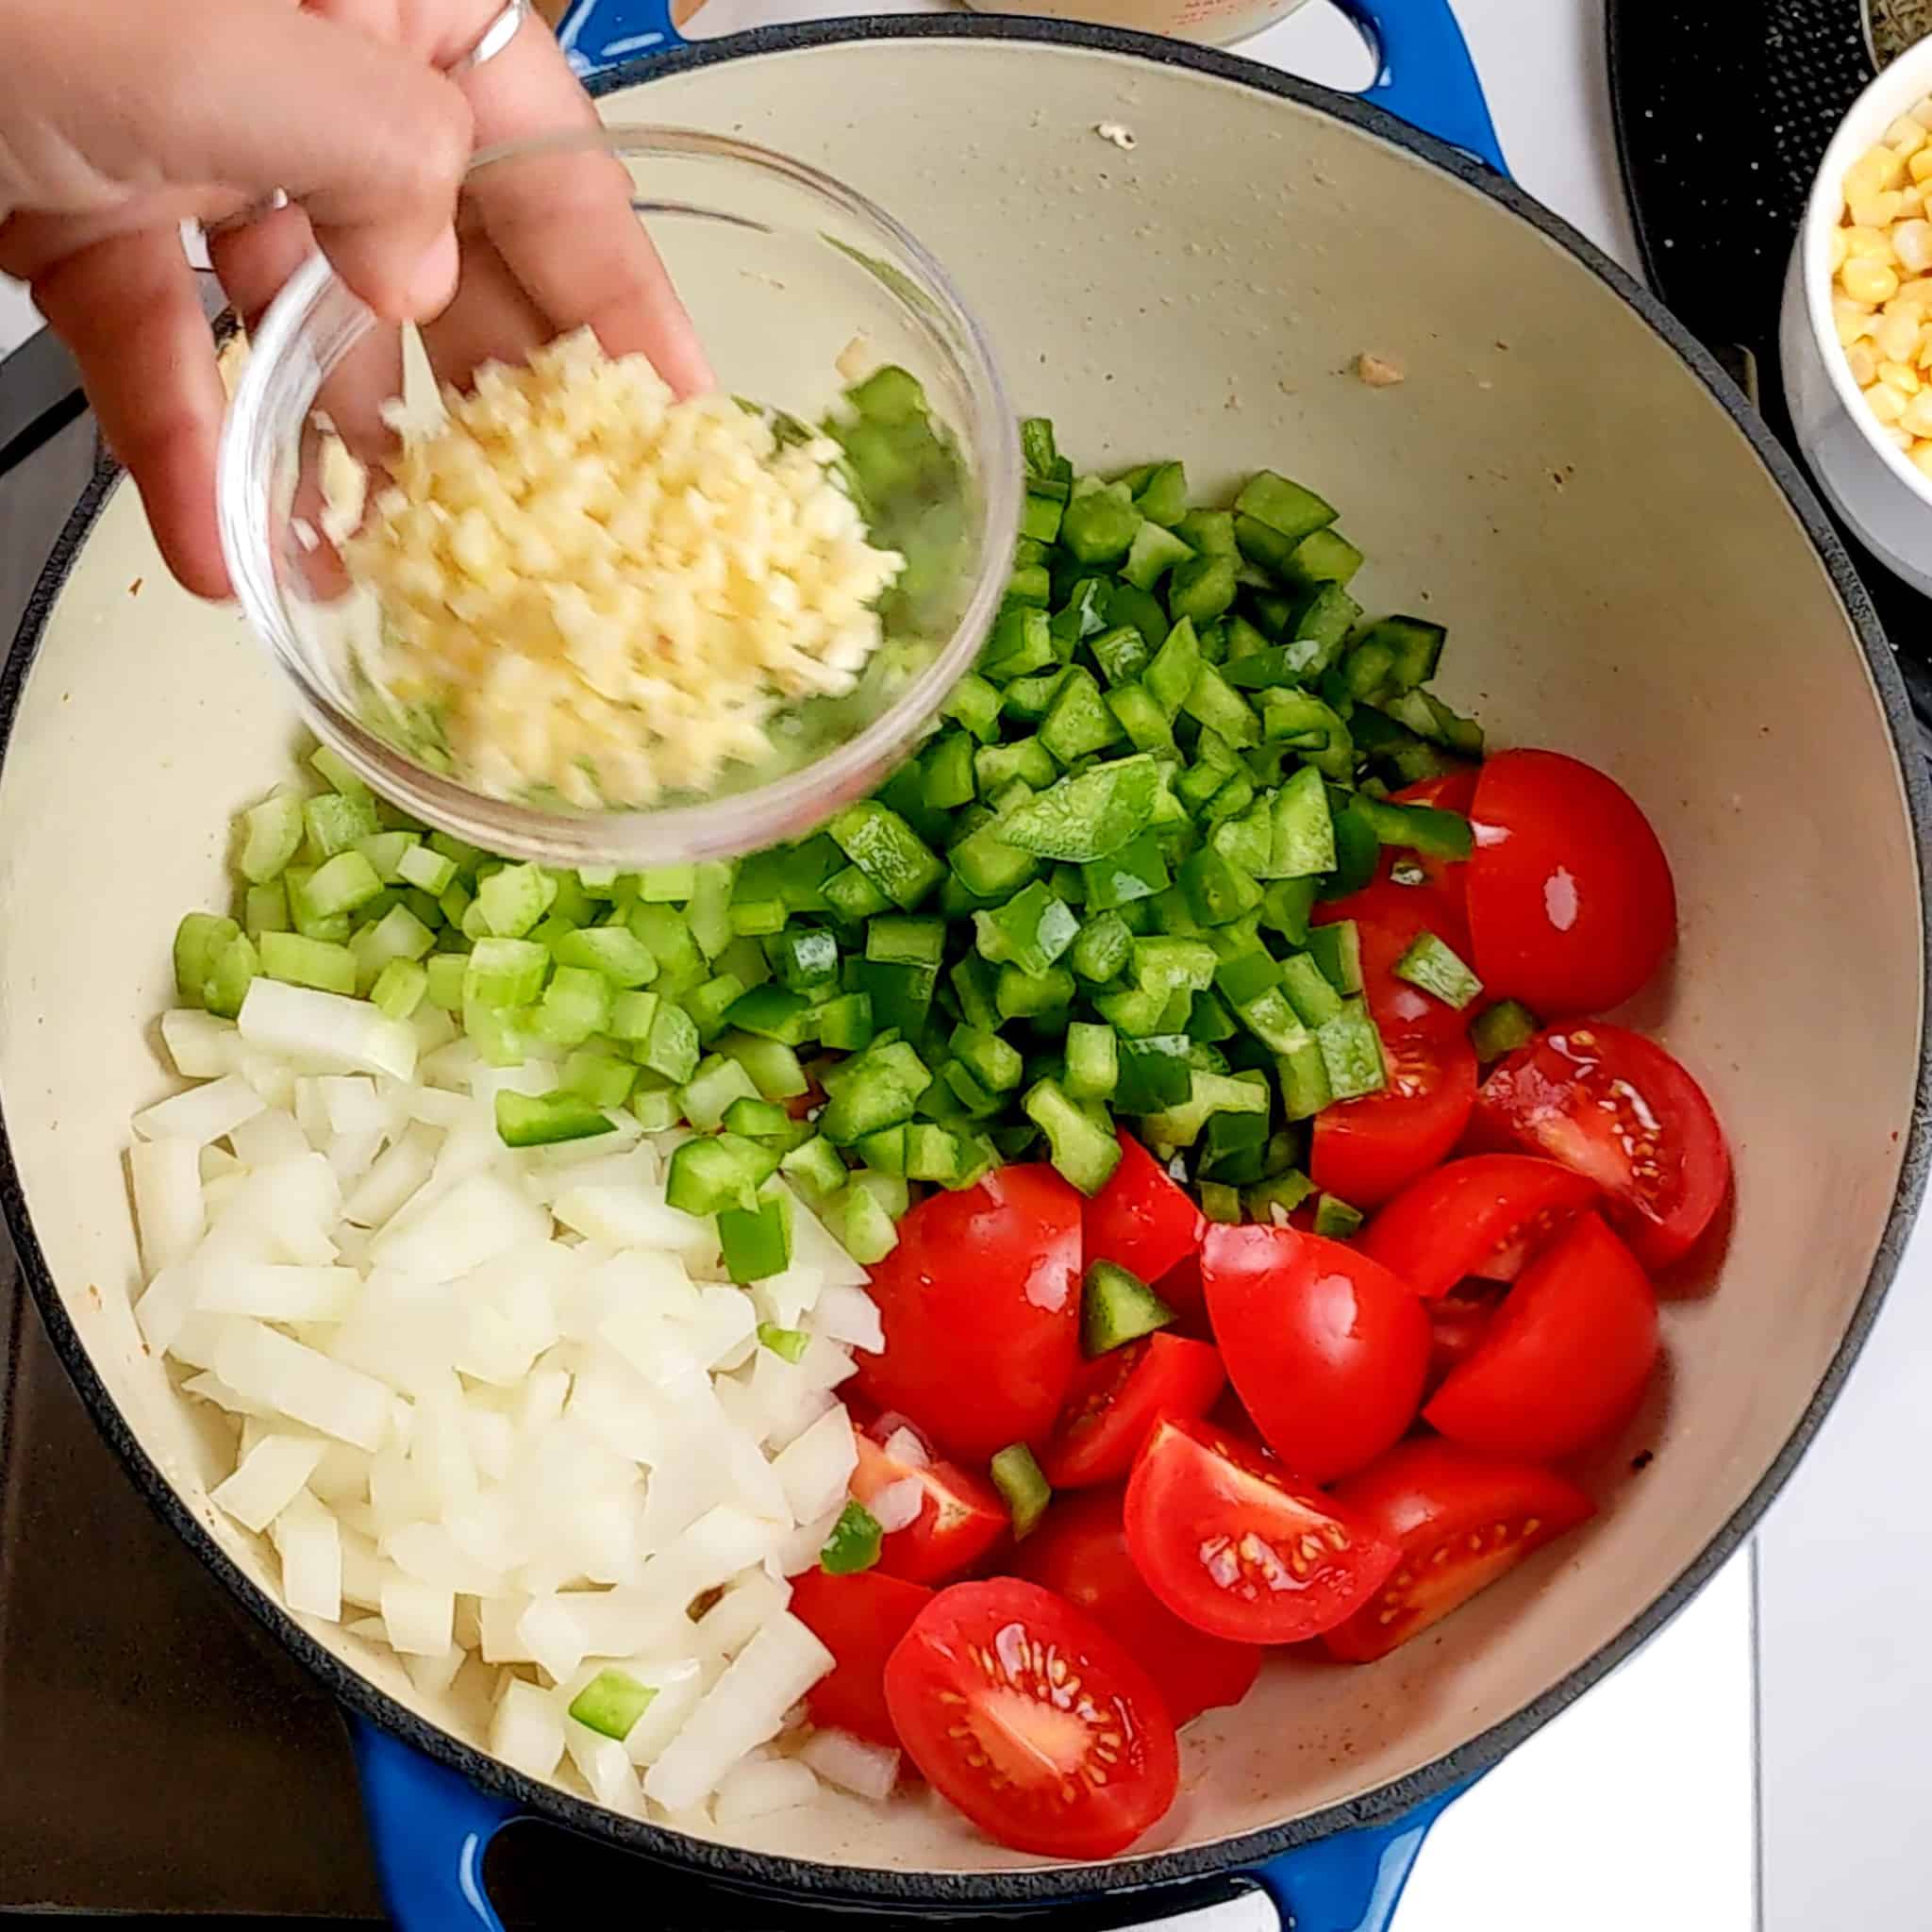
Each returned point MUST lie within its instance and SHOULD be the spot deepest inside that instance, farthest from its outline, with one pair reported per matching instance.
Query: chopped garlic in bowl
(584, 622)
(591, 590)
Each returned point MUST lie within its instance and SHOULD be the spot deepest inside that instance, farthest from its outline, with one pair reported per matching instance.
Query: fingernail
(435, 280)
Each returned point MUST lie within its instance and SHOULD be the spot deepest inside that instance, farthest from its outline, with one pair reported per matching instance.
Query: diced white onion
(849, 1315)
(760, 1787)
(743, 1708)
(815, 1469)
(267, 1479)
(868, 1771)
(202, 1046)
(905, 1448)
(309, 1543)
(202, 1113)
(526, 1728)
(897, 1505)
(325, 1030)
(166, 1178)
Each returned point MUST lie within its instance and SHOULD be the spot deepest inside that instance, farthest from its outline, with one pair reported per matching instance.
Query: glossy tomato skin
(1570, 903)
(1080, 1552)
(1032, 1719)
(1118, 1397)
(1235, 1545)
(859, 1619)
(1325, 1347)
(1563, 1360)
(1451, 1222)
(1615, 1106)
(1367, 1150)
(960, 1516)
(1144, 1221)
(980, 1304)
(1388, 918)
(1432, 1500)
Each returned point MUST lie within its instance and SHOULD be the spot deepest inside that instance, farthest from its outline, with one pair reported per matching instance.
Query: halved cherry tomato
(1565, 1357)
(1451, 791)
(1326, 1348)
(1118, 1397)
(1456, 1221)
(1235, 1545)
(1080, 1551)
(1615, 1106)
(1570, 905)
(980, 1304)
(1366, 1150)
(1460, 1519)
(859, 1619)
(1142, 1220)
(1034, 1720)
(1387, 919)
(960, 1516)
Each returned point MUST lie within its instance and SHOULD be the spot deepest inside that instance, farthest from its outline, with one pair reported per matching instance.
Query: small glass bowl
(782, 269)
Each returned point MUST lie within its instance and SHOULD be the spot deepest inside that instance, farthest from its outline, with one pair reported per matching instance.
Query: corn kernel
(1899, 439)
(1877, 211)
(1869, 281)
(1922, 457)
(1917, 417)
(1875, 170)
(1897, 334)
(1867, 244)
(1836, 248)
(1884, 402)
(1862, 364)
(1896, 375)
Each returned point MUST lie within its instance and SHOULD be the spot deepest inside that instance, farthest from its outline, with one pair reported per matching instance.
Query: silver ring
(494, 38)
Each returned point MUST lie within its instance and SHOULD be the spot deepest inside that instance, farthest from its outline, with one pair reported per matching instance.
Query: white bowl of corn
(1855, 329)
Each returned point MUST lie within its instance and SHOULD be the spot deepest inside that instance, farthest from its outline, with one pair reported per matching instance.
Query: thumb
(368, 138)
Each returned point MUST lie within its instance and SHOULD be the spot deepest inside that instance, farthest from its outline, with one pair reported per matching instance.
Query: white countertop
(1638, 1807)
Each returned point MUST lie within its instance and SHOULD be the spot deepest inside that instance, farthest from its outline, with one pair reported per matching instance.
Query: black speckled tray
(1724, 109)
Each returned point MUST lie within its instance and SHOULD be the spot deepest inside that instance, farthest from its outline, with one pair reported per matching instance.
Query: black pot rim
(994, 1890)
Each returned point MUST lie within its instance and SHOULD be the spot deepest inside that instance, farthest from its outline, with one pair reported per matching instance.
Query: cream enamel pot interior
(1629, 571)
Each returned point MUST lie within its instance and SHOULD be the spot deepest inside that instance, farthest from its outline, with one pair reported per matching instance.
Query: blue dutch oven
(1631, 570)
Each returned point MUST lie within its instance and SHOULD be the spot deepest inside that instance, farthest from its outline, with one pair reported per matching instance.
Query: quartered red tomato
(1325, 1347)
(980, 1304)
(1570, 905)
(1118, 1397)
(960, 1516)
(1080, 1552)
(1459, 1520)
(1366, 1150)
(1472, 1216)
(1144, 1221)
(1034, 1720)
(859, 1619)
(1388, 918)
(1564, 1358)
(1452, 792)
(1615, 1106)
(1235, 1545)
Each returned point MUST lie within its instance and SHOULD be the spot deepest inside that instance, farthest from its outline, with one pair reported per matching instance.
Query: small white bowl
(1886, 502)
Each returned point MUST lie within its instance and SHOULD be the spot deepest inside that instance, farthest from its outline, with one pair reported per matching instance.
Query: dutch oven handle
(430, 1827)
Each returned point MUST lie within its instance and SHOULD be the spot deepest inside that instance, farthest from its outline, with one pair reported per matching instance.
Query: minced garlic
(590, 590)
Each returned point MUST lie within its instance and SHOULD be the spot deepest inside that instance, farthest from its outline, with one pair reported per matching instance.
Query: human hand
(120, 119)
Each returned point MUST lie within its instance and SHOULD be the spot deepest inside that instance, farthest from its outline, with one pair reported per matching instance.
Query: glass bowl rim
(738, 822)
